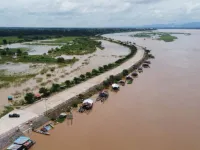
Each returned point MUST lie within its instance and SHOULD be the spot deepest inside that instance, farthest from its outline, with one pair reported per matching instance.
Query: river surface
(159, 111)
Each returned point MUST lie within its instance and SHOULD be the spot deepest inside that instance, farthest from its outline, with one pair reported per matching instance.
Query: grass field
(167, 38)
(78, 46)
(61, 40)
(10, 39)
(164, 36)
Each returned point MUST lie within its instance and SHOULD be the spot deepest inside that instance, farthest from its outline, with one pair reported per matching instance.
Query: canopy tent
(88, 101)
(10, 97)
(115, 86)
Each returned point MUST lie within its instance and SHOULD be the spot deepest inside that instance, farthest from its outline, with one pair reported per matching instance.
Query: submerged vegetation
(167, 38)
(95, 72)
(164, 36)
(78, 46)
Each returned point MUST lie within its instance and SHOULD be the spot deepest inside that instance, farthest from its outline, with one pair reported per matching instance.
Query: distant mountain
(191, 25)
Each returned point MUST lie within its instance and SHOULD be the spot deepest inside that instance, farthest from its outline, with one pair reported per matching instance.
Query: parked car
(14, 115)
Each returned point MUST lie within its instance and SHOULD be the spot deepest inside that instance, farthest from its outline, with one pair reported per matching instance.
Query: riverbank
(42, 106)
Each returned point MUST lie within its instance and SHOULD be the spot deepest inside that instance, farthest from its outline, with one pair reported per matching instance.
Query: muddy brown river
(159, 111)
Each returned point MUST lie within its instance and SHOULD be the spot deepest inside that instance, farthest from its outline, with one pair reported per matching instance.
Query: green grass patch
(164, 36)
(10, 39)
(78, 46)
(167, 38)
(61, 40)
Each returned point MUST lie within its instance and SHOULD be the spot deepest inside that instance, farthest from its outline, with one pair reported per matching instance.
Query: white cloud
(100, 13)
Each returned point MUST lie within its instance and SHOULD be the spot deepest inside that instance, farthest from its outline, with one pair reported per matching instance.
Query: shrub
(82, 77)
(106, 83)
(68, 83)
(76, 80)
(60, 60)
(55, 88)
(44, 91)
(125, 72)
(110, 66)
(88, 75)
(101, 69)
(52, 69)
(48, 75)
(94, 72)
(29, 97)
(118, 78)
(74, 105)
(105, 67)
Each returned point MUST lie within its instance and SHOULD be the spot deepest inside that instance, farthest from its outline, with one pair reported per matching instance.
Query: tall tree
(29, 97)
(5, 41)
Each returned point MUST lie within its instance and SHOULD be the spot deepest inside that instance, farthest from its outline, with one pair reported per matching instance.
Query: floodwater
(15, 67)
(159, 111)
(86, 63)
(33, 49)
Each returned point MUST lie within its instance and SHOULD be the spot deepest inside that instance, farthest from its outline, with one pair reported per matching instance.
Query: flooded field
(86, 63)
(159, 111)
(33, 49)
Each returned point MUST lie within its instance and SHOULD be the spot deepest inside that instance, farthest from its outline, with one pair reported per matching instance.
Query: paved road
(39, 108)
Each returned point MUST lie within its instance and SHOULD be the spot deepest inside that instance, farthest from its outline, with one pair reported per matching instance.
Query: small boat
(129, 78)
(147, 62)
(41, 132)
(146, 66)
(140, 70)
(122, 82)
(103, 95)
(134, 74)
(115, 86)
(86, 105)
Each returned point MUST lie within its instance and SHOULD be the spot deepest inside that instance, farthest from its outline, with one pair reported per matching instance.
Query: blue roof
(21, 140)
(9, 96)
(14, 147)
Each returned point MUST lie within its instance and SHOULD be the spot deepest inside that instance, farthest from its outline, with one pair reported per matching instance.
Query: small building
(21, 143)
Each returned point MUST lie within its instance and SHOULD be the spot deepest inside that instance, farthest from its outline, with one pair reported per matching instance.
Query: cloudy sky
(97, 13)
